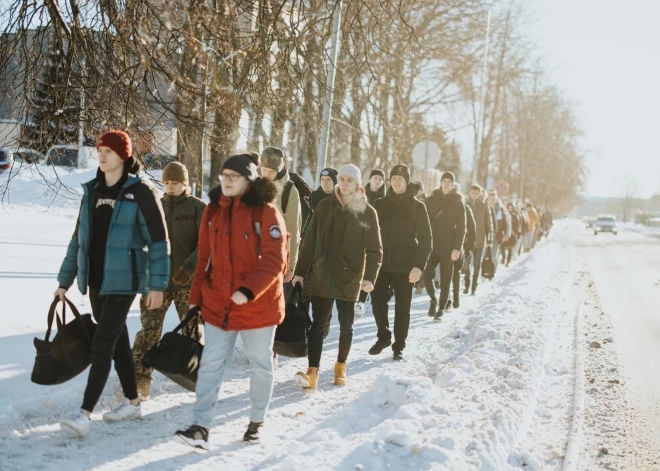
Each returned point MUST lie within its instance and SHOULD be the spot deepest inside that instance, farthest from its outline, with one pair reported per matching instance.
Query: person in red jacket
(242, 257)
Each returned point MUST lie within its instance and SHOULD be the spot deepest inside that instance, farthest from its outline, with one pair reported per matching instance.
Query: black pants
(456, 279)
(446, 273)
(111, 342)
(473, 263)
(380, 297)
(321, 313)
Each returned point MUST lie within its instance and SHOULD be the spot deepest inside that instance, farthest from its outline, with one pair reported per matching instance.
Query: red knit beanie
(119, 142)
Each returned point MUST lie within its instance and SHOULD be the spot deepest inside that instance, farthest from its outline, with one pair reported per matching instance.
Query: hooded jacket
(405, 231)
(448, 221)
(372, 196)
(484, 222)
(137, 249)
(342, 243)
(234, 257)
(183, 215)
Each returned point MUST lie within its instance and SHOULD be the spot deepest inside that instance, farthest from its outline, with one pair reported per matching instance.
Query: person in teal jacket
(119, 249)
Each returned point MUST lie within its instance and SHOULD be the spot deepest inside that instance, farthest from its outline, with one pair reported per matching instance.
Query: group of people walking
(264, 233)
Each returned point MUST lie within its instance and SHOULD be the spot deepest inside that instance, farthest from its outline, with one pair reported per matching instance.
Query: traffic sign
(426, 155)
(502, 188)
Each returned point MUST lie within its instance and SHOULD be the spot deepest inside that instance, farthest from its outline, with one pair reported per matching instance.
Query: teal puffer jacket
(137, 250)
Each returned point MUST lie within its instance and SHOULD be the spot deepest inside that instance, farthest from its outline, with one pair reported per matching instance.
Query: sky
(605, 56)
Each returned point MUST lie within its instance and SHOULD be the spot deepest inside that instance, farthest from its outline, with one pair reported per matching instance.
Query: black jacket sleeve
(424, 237)
(459, 238)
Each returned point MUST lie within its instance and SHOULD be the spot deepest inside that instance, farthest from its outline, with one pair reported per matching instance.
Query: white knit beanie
(352, 171)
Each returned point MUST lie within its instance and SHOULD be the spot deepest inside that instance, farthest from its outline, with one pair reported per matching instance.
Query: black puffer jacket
(405, 231)
(318, 195)
(372, 196)
(447, 216)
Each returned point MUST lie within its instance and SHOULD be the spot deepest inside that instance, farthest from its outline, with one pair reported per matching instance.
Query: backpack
(305, 192)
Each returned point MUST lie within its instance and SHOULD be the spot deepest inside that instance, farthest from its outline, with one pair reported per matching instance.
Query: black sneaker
(434, 304)
(398, 356)
(379, 346)
(252, 434)
(196, 436)
(438, 316)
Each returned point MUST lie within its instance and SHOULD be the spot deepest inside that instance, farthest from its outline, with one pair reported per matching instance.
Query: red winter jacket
(229, 260)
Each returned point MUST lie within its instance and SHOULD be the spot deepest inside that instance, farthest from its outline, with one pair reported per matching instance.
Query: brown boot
(309, 380)
(144, 389)
(340, 374)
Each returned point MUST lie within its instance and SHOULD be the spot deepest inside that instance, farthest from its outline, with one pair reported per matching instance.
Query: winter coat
(137, 253)
(524, 221)
(343, 244)
(405, 231)
(292, 217)
(447, 216)
(502, 222)
(318, 195)
(534, 218)
(183, 215)
(372, 196)
(470, 230)
(484, 221)
(516, 223)
(234, 257)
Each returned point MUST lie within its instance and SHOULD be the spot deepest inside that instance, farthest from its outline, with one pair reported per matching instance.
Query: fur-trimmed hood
(258, 193)
(357, 204)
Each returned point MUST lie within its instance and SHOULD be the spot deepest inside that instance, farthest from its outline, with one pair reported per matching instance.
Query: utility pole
(330, 92)
(482, 99)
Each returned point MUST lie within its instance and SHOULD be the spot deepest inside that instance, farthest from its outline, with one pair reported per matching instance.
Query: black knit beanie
(245, 164)
(448, 175)
(401, 171)
(330, 172)
(377, 172)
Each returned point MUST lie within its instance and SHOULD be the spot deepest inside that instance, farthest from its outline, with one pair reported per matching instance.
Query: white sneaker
(359, 310)
(77, 424)
(126, 411)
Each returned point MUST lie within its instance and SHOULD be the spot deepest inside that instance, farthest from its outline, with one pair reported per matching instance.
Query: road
(626, 272)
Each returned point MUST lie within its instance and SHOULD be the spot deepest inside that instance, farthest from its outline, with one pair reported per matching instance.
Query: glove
(183, 277)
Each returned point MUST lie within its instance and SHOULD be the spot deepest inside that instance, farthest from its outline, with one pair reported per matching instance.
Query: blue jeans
(218, 350)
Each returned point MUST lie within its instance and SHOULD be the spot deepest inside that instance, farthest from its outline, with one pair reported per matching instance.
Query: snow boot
(379, 346)
(195, 436)
(397, 356)
(252, 433)
(340, 374)
(434, 305)
(448, 305)
(77, 424)
(309, 380)
(456, 304)
(438, 316)
(144, 389)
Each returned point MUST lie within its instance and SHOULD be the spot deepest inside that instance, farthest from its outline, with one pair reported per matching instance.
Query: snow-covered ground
(492, 387)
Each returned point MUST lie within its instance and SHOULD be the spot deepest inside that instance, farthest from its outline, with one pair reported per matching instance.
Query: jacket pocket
(134, 271)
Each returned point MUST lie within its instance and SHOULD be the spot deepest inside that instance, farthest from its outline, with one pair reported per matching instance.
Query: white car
(73, 156)
(606, 223)
(21, 155)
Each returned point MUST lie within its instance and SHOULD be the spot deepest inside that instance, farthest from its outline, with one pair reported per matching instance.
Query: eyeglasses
(231, 178)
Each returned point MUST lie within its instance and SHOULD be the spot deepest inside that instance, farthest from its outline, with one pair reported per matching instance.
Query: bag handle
(296, 298)
(192, 314)
(52, 315)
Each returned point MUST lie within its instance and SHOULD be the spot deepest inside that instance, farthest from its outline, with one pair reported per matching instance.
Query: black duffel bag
(69, 354)
(178, 354)
(487, 265)
(291, 336)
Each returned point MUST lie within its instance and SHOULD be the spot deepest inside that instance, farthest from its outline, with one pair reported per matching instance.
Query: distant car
(73, 156)
(22, 155)
(606, 224)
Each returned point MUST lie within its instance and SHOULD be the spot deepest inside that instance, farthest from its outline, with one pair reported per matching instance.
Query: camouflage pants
(152, 326)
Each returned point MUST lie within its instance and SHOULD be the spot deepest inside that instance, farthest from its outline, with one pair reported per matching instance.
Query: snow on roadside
(459, 401)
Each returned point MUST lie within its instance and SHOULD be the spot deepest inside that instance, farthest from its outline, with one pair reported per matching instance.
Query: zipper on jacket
(134, 269)
(225, 323)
